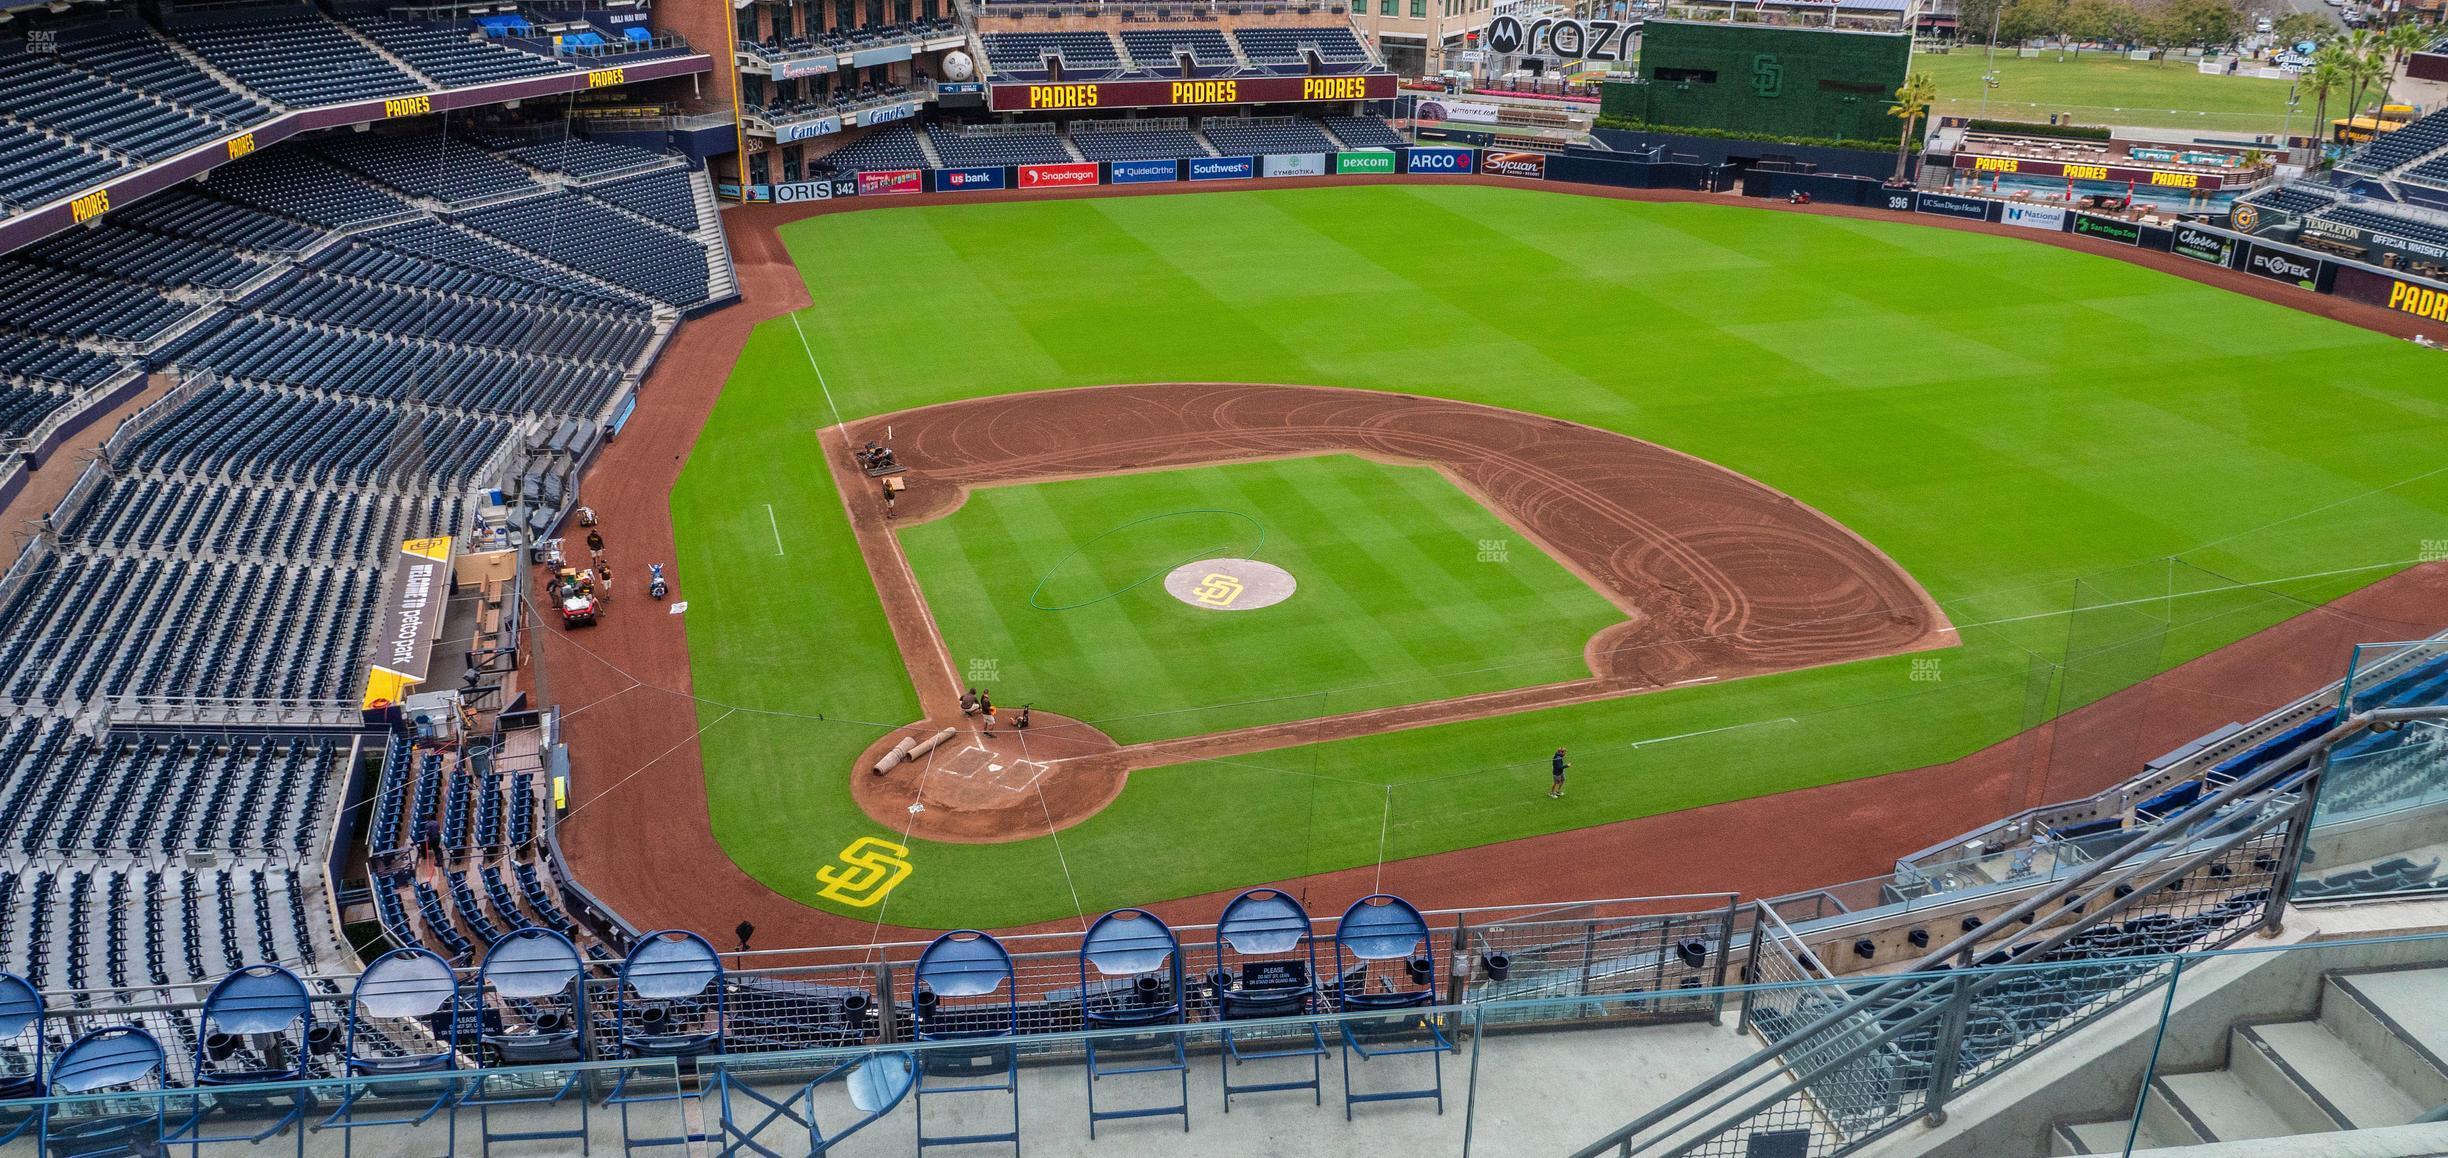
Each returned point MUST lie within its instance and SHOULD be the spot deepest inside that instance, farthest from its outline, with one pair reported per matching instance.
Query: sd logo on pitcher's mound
(1230, 584)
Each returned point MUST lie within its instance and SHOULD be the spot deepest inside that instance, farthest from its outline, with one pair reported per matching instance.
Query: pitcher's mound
(1230, 584)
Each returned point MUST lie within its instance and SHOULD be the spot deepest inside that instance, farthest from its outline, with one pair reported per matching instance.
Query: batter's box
(977, 762)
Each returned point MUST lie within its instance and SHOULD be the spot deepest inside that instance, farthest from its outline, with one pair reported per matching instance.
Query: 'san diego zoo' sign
(1140, 94)
(1568, 38)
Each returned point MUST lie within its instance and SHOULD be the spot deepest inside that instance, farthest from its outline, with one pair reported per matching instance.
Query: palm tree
(2326, 76)
(2402, 39)
(1912, 101)
(2364, 63)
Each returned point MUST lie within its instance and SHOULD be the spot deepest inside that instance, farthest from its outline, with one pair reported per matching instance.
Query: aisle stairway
(2374, 1054)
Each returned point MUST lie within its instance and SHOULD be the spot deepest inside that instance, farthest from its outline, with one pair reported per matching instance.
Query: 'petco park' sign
(1142, 94)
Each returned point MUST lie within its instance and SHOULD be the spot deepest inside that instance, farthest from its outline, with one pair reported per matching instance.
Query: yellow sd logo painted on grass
(869, 869)
(1217, 589)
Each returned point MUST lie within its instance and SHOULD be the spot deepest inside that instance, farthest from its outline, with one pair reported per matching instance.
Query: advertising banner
(888, 54)
(2049, 217)
(1142, 94)
(890, 183)
(2427, 302)
(1527, 166)
(970, 178)
(1445, 109)
(1438, 161)
(410, 620)
(803, 130)
(805, 66)
(2279, 265)
(960, 88)
(1895, 198)
(2203, 245)
(1949, 205)
(1223, 168)
(1372, 161)
(1061, 176)
(2124, 232)
(1144, 172)
(886, 114)
(790, 191)
(2076, 171)
(1294, 164)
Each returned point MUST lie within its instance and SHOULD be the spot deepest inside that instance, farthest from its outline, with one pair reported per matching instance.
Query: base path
(639, 837)
(1719, 576)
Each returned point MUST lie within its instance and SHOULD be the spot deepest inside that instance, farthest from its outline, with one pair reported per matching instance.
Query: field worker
(1557, 792)
(1021, 723)
(888, 498)
(969, 702)
(986, 706)
(744, 931)
(595, 544)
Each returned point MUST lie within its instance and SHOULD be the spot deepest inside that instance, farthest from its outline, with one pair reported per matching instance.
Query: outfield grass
(2101, 88)
(1048, 587)
(2018, 425)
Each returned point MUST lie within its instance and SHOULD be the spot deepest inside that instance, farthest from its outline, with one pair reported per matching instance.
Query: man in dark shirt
(1557, 792)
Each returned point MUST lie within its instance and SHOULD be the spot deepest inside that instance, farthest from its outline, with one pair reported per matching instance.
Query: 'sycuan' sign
(1140, 94)
(1530, 166)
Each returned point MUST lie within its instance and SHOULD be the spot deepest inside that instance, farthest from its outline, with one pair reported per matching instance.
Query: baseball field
(2092, 471)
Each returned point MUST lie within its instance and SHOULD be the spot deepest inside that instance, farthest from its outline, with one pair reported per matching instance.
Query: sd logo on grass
(869, 869)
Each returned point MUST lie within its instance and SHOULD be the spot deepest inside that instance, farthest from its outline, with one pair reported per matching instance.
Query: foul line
(820, 380)
(777, 528)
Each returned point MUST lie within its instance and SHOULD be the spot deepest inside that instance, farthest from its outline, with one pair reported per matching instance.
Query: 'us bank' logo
(1767, 75)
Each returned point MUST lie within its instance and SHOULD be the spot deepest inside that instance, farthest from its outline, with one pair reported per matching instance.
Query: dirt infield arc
(641, 840)
(1718, 575)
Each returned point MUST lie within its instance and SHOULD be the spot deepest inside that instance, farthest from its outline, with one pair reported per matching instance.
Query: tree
(2212, 23)
(1973, 20)
(2327, 77)
(2297, 27)
(2365, 64)
(2024, 20)
(2401, 41)
(2089, 20)
(1912, 102)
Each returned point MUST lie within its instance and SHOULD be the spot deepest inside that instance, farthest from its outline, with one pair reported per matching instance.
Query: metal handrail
(2123, 861)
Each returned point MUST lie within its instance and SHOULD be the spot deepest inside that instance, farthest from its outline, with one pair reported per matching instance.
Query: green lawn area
(1057, 587)
(2101, 88)
(2022, 427)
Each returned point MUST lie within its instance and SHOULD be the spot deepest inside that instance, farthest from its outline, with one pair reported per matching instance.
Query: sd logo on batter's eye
(869, 868)
(1767, 75)
(1217, 590)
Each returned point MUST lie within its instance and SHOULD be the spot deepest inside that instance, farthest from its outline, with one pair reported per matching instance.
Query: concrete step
(2275, 1084)
(2397, 1020)
(2108, 1137)
(2163, 1119)
(2218, 1107)
(2340, 1081)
